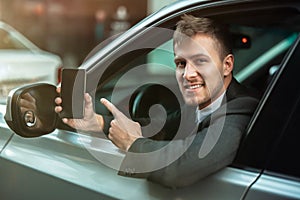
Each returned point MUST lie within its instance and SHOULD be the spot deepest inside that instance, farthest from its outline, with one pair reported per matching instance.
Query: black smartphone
(72, 93)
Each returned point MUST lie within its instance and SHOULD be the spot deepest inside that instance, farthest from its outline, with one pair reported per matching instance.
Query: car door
(6, 134)
(272, 143)
(232, 181)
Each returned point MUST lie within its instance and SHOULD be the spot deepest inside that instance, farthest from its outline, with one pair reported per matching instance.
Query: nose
(189, 71)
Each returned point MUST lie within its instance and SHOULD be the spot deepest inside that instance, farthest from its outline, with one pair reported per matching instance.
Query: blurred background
(72, 28)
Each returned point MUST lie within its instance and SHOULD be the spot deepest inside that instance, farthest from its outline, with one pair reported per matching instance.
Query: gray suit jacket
(190, 151)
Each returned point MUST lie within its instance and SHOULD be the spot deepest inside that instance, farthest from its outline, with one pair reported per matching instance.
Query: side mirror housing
(30, 110)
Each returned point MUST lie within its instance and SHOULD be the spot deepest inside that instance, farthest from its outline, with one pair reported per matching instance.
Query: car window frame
(95, 64)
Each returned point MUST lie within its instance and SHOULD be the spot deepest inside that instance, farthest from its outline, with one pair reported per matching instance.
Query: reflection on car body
(264, 168)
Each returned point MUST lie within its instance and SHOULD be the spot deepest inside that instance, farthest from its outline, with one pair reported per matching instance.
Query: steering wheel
(149, 95)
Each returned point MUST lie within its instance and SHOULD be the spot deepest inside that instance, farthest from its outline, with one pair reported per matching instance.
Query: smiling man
(216, 114)
(203, 73)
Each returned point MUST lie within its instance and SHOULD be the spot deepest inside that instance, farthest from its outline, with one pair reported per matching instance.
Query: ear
(228, 65)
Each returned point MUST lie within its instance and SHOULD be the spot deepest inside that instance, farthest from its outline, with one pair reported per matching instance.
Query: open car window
(255, 63)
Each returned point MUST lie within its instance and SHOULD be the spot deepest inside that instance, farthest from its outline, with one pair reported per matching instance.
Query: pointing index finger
(111, 107)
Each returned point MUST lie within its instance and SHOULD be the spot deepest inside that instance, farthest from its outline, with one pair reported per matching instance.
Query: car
(22, 62)
(53, 161)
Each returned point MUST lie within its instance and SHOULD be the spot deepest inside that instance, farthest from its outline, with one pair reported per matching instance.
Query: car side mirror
(30, 110)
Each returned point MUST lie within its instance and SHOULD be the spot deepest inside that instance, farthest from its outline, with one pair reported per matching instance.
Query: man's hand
(123, 131)
(90, 122)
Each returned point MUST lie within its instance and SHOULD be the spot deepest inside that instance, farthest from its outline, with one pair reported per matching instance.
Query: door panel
(5, 133)
(65, 165)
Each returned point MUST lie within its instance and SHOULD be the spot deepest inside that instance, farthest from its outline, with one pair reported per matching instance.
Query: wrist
(131, 141)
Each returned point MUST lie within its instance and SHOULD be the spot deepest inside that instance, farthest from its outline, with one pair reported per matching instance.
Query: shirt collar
(203, 113)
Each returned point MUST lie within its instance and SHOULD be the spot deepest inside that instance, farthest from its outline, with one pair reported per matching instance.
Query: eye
(180, 64)
(200, 61)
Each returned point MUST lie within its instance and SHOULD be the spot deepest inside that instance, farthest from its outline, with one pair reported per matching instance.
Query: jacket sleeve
(181, 162)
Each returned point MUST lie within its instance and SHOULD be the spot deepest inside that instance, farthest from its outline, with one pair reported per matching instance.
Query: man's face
(199, 70)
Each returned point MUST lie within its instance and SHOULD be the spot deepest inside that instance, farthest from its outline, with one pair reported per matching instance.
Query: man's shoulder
(237, 90)
(239, 100)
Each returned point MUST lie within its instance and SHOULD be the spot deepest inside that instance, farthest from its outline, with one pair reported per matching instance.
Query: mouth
(193, 87)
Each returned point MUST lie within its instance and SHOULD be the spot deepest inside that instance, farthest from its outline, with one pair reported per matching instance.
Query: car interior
(260, 44)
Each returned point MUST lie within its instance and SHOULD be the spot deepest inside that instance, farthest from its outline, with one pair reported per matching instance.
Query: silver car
(56, 162)
(22, 62)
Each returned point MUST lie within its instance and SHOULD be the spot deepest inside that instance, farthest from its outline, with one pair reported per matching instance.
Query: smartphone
(73, 85)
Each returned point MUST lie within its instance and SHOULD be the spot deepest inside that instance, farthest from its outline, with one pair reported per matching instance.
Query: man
(216, 114)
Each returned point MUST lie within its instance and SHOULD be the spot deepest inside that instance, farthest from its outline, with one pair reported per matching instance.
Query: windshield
(9, 41)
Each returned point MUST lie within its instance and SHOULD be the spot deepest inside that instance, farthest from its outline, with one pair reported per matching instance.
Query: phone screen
(72, 93)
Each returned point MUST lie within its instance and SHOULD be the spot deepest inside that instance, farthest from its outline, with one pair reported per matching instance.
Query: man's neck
(203, 113)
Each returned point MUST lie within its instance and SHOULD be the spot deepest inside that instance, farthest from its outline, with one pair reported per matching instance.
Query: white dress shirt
(203, 113)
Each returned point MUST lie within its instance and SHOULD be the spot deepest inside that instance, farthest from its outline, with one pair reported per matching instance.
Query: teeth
(194, 86)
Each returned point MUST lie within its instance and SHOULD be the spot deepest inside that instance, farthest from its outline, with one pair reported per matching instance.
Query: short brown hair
(190, 26)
